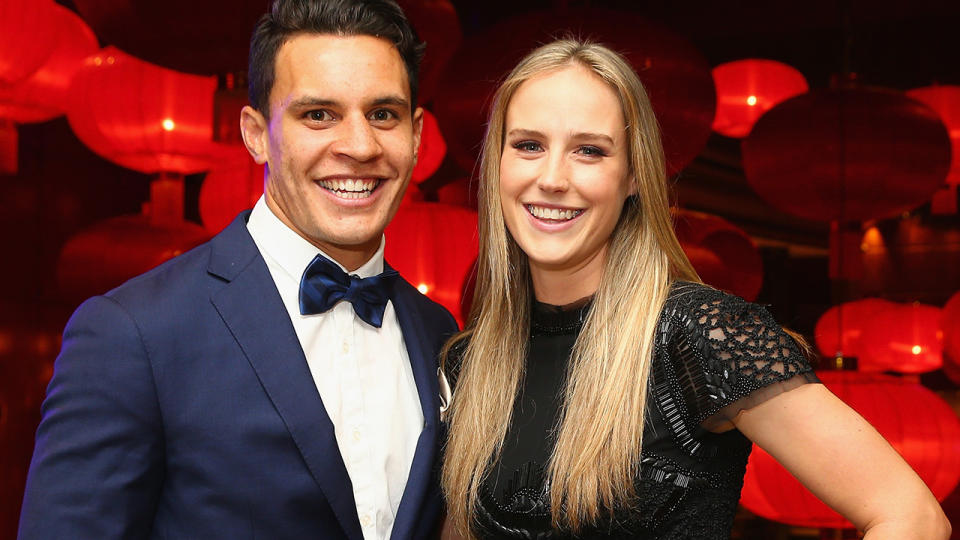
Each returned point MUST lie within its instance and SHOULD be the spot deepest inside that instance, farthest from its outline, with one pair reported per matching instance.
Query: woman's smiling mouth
(555, 215)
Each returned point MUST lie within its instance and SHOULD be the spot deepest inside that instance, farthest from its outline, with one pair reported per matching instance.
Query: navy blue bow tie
(324, 284)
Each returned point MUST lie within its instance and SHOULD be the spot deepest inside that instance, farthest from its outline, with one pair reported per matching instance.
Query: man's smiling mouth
(350, 188)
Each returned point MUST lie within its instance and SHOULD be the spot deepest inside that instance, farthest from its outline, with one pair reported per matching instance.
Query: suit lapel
(252, 309)
(424, 366)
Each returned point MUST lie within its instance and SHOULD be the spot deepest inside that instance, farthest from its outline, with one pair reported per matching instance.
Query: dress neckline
(565, 319)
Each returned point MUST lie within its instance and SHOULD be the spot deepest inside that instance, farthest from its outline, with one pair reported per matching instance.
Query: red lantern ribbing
(142, 116)
(847, 154)
(44, 94)
(736, 265)
(748, 88)
(28, 34)
(105, 255)
(840, 329)
(905, 338)
(433, 246)
(675, 74)
(945, 99)
(917, 423)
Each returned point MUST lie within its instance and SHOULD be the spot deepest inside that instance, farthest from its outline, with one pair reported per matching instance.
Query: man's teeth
(350, 188)
(552, 213)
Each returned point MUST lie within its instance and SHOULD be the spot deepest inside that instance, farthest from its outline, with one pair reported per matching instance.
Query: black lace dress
(715, 355)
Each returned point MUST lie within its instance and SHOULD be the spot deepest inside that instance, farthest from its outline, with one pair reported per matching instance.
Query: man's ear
(253, 128)
(417, 131)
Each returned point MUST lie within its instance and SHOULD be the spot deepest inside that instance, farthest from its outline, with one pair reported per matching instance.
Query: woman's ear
(254, 129)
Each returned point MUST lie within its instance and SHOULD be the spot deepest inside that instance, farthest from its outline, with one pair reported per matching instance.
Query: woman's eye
(591, 151)
(527, 146)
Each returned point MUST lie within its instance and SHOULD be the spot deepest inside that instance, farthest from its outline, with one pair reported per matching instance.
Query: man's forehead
(339, 70)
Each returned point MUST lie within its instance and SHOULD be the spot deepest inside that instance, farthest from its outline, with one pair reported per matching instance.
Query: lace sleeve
(728, 354)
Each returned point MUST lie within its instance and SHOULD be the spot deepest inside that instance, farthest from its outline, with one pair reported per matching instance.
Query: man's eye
(382, 115)
(318, 116)
(527, 146)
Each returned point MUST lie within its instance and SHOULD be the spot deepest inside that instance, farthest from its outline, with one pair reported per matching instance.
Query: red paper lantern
(44, 94)
(676, 76)
(206, 37)
(28, 35)
(905, 338)
(437, 24)
(461, 191)
(748, 88)
(847, 320)
(847, 154)
(142, 116)
(231, 186)
(917, 423)
(736, 266)
(105, 255)
(432, 149)
(433, 246)
(945, 99)
(950, 324)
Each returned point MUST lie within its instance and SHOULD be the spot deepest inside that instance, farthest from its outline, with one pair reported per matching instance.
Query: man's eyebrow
(311, 101)
(392, 100)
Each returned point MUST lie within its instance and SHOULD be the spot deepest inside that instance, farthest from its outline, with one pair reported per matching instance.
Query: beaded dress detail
(715, 355)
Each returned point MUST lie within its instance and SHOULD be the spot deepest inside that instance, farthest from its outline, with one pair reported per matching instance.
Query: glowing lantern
(44, 94)
(144, 117)
(231, 186)
(748, 88)
(736, 266)
(905, 338)
(847, 154)
(840, 329)
(950, 324)
(946, 101)
(28, 35)
(917, 423)
(432, 149)
(433, 246)
(105, 255)
(675, 74)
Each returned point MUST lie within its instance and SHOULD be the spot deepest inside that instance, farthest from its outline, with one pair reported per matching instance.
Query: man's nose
(357, 139)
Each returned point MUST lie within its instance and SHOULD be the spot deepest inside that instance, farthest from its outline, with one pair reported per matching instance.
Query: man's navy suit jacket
(182, 407)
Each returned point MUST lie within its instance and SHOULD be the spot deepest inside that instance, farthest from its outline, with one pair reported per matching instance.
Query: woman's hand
(842, 460)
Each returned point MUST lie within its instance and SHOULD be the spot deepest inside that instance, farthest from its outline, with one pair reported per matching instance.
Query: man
(250, 388)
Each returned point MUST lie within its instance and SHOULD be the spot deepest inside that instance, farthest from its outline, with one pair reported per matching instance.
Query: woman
(599, 389)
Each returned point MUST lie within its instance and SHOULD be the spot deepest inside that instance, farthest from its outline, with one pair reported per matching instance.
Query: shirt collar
(293, 252)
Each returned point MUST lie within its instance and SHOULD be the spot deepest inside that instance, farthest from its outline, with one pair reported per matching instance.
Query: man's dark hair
(287, 18)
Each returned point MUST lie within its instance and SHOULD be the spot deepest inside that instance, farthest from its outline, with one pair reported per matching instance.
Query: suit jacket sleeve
(97, 465)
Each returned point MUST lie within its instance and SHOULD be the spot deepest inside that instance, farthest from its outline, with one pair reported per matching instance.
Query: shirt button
(357, 435)
(345, 348)
(366, 521)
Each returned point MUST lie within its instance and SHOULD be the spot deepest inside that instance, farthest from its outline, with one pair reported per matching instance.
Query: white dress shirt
(362, 373)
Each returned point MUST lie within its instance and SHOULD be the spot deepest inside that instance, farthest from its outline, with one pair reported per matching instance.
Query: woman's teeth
(552, 213)
(350, 189)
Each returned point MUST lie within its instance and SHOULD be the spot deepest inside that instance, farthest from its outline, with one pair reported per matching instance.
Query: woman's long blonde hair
(596, 457)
